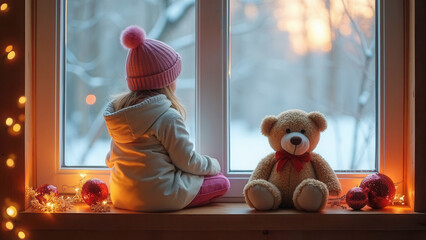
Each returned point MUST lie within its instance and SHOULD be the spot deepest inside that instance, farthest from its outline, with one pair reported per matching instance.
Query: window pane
(310, 55)
(95, 65)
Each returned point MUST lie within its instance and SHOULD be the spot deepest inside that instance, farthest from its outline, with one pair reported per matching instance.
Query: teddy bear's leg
(311, 195)
(262, 195)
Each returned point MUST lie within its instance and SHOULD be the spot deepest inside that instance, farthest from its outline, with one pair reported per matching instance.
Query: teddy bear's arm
(326, 174)
(263, 169)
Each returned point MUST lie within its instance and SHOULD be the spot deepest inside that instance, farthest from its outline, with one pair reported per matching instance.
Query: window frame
(212, 94)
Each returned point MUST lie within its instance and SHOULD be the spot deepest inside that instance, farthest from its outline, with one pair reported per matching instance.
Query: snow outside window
(317, 55)
(95, 66)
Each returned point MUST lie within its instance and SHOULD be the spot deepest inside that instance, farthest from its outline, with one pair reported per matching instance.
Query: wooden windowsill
(225, 217)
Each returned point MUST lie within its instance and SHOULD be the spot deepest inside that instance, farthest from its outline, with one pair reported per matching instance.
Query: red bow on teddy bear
(282, 157)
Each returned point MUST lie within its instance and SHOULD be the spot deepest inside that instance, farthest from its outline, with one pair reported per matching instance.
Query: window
(94, 66)
(312, 55)
(215, 111)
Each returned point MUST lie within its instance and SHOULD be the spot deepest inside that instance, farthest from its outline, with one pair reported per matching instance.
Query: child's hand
(215, 167)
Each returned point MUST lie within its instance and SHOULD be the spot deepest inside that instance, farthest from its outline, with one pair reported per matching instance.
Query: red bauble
(380, 189)
(356, 198)
(93, 191)
(43, 190)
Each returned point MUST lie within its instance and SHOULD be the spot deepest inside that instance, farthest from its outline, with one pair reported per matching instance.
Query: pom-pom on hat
(151, 64)
(132, 37)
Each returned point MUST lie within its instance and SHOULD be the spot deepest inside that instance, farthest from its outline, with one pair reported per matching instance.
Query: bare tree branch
(82, 74)
(87, 66)
(366, 48)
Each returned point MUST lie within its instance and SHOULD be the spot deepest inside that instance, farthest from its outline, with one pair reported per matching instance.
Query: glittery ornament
(380, 189)
(43, 190)
(356, 198)
(93, 191)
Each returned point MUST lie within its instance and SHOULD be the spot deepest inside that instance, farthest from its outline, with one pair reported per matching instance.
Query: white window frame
(212, 95)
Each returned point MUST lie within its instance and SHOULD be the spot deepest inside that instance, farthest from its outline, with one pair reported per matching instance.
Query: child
(153, 164)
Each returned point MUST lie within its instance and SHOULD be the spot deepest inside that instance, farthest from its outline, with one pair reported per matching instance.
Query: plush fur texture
(286, 185)
(310, 195)
(132, 37)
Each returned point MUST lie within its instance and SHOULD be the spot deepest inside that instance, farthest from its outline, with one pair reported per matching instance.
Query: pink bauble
(356, 198)
(93, 191)
(380, 190)
(45, 189)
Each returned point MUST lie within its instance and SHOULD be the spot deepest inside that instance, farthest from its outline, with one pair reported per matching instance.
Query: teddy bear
(293, 176)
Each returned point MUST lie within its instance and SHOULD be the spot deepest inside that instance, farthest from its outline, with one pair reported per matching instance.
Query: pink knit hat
(151, 64)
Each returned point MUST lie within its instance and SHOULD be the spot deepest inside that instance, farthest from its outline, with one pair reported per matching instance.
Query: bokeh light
(21, 235)
(9, 121)
(17, 127)
(90, 99)
(11, 211)
(3, 7)
(9, 225)
(10, 163)
(22, 100)
(11, 55)
(9, 48)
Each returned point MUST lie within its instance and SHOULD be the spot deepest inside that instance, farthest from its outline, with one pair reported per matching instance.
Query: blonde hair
(131, 98)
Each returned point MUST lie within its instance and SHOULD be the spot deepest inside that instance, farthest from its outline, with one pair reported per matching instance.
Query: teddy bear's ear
(267, 124)
(319, 120)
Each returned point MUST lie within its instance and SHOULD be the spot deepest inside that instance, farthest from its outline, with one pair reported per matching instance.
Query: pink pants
(213, 187)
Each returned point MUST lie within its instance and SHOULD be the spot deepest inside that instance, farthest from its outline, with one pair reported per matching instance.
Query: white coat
(153, 164)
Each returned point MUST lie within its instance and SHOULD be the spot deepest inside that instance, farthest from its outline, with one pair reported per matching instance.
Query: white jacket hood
(125, 125)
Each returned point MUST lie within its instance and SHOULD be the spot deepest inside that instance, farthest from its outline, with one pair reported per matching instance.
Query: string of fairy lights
(15, 127)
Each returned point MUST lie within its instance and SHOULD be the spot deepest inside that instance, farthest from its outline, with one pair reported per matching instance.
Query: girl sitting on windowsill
(153, 164)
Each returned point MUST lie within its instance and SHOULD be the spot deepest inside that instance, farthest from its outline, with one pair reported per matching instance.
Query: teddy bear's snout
(295, 143)
(295, 140)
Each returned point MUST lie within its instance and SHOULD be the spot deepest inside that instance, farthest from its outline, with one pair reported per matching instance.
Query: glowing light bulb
(76, 189)
(17, 127)
(90, 99)
(8, 48)
(21, 235)
(9, 121)
(11, 211)
(22, 100)
(104, 202)
(3, 7)
(9, 225)
(11, 55)
(83, 175)
(10, 163)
